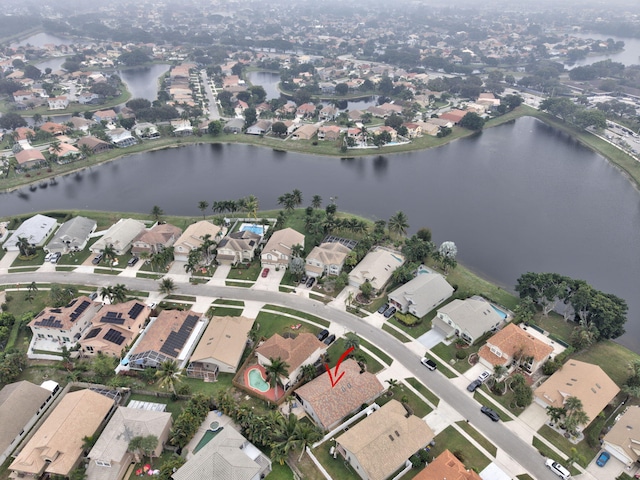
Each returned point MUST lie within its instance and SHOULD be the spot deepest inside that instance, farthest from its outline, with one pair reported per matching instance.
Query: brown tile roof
(29, 155)
(293, 351)
(383, 441)
(331, 404)
(509, 341)
(224, 340)
(159, 234)
(625, 434)
(59, 438)
(156, 334)
(583, 380)
(446, 466)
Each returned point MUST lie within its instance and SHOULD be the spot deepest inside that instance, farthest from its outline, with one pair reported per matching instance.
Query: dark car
(427, 362)
(389, 312)
(132, 261)
(310, 282)
(323, 334)
(473, 385)
(492, 414)
(96, 260)
(383, 308)
(304, 279)
(330, 339)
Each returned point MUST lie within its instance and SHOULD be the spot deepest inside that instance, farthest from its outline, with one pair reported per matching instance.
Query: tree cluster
(568, 111)
(189, 420)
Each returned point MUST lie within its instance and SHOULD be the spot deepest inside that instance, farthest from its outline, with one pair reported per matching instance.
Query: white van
(558, 469)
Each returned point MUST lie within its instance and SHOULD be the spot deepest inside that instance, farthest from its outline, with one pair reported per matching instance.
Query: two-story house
(326, 259)
(278, 250)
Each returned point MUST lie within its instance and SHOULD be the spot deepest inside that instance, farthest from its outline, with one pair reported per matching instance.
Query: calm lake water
(629, 56)
(516, 198)
(142, 82)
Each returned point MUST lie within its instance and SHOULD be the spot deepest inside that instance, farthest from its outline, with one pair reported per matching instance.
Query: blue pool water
(500, 312)
(257, 229)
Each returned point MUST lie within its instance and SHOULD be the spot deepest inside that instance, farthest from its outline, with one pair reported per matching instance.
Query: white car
(484, 375)
(558, 469)
(47, 257)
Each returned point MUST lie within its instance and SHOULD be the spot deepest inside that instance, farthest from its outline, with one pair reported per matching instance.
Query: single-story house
(228, 455)
(454, 115)
(121, 137)
(235, 125)
(514, 344)
(64, 151)
(304, 349)
(155, 239)
(376, 267)
(327, 258)
(54, 128)
(277, 252)
(221, 347)
(35, 229)
(166, 338)
(468, 319)
(146, 130)
(80, 123)
(110, 457)
(192, 238)
(582, 380)
(237, 247)
(95, 144)
(113, 328)
(382, 442)
(56, 447)
(623, 440)
(327, 406)
(421, 294)
(305, 132)
(119, 236)
(105, 115)
(21, 405)
(72, 236)
(182, 127)
(329, 133)
(261, 127)
(55, 327)
(30, 157)
(447, 466)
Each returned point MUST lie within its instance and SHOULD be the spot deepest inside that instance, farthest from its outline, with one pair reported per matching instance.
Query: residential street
(503, 437)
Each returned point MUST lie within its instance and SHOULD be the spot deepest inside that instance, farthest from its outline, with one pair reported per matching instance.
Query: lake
(519, 197)
(629, 56)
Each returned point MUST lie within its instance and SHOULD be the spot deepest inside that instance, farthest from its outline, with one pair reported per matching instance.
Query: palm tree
(26, 249)
(499, 371)
(109, 254)
(205, 248)
(169, 374)
(308, 371)
(305, 434)
(251, 204)
(297, 197)
(119, 293)
(276, 369)
(351, 340)
(203, 205)
(316, 201)
(392, 382)
(106, 292)
(556, 414)
(85, 150)
(167, 286)
(398, 223)
(157, 213)
(287, 201)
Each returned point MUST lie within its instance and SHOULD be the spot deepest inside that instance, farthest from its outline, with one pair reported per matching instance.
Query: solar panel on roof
(113, 317)
(81, 308)
(49, 322)
(93, 333)
(114, 336)
(135, 310)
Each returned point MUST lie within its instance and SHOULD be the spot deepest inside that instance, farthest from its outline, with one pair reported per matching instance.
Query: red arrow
(342, 357)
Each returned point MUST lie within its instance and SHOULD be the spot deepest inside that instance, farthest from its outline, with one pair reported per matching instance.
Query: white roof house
(376, 267)
(119, 236)
(469, 319)
(72, 235)
(421, 294)
(35, 229)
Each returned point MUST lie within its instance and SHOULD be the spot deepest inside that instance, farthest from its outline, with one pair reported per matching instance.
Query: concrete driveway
(271, 282)
(432, 338)
(535, 416)
(610, 471)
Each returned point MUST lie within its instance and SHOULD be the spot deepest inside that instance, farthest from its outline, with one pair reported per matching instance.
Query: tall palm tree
(398, 223)
(167, 286)
(277, 368)
(203, 205)
(297, 197)
(251, 204)
(287, 201)
(316, 201)
(106, 292)
(351, 340)
(308, 371)
(85, 150)
(109, 254)
(26, 249)
(169, 374)
(119, 293)
(205, 248)
(305, 434)
(157, 213)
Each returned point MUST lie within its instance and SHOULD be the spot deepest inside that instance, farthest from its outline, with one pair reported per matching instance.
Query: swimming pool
(500, 312)
(256, 381)
(422, 269)
(206, 438)
(252, 227)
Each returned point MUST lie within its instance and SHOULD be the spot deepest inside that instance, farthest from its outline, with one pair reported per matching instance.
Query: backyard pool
(253, 228)
(206, 438)
(500, 312)
(256, 381)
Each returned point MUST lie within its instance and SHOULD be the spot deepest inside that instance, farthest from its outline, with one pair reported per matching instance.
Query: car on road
(603, 458)
(132, 261)
(323, 334)
(492, 414)
(383, 308)
(483, 376)
(558, 469)
(96, 260)
(474, 385)
(310, 282)
(389, 312)
(330, 339)
(427, 362)
(265, 272)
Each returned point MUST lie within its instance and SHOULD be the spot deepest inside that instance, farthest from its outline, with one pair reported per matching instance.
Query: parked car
(474, 385)
(492, 414)
(603, 458)
(383, 308)
(96, 260)
(304, 279)
(132, 261)
(483, 376)
(330, 339)
(323, 334)
(310, 282)
(427, 362)
(389, 312)
(47, 257)
(265, 272)
(558, 469)
(55, 257)
(93, 296)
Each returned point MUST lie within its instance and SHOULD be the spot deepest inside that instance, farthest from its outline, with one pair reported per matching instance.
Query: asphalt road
(501, 436)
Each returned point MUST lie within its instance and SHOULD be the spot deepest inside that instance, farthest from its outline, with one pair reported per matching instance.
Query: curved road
(501, 436)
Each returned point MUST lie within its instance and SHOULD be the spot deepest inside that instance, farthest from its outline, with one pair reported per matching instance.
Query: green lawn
(418, 329)
(296, 313)
(426, 393)
(224, 301)
(507, 400)
(392, 331)
(585, 451)
(478, 437)
(280, 472)
(337, 467)
(614, 359)
(555, 325)
(271, 323)
(336, 350)
(174, 408)
(549, 453)
(225, 311)
(37, 259)
(375, 350)
(245, 272)
(230, 283)
(448, 354)
(443, 369)
(419, 407)
(452, 440)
